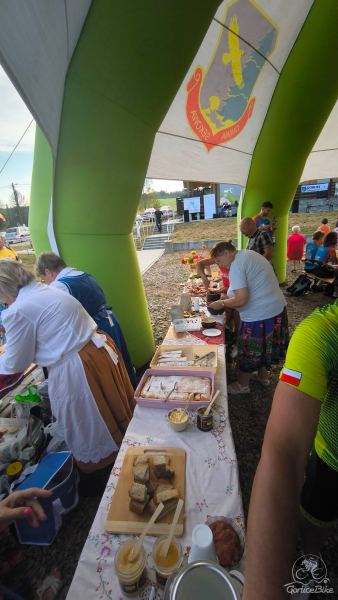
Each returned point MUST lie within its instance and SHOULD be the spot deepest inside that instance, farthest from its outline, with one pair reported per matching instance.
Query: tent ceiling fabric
(323, 160)
(240, 59)
(36, 52)
(259, 36)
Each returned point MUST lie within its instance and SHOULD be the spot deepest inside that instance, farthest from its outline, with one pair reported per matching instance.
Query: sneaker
(236, 388)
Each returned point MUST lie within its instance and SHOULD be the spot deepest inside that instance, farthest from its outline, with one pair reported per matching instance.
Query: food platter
(120, 518)
(175, 381)
(198, 357)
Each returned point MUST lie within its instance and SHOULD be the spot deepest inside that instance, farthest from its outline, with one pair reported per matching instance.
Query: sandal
(50, 586)
(236, 388)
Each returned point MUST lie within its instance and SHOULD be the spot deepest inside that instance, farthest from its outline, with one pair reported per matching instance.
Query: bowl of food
(212, 297)
(208, 322)
(178, 419)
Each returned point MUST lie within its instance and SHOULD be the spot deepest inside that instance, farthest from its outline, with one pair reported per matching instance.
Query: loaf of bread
(227, 543)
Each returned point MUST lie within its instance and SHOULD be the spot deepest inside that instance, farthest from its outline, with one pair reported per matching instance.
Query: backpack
(300, 287)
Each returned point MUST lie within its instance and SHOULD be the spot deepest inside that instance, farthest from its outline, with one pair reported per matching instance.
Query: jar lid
(14, 469)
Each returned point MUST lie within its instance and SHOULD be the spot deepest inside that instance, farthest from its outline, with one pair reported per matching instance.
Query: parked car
(18, 234)
(149, 214)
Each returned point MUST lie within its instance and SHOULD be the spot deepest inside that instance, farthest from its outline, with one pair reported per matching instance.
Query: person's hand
(23, 505)
(206, 282)
(217, 305)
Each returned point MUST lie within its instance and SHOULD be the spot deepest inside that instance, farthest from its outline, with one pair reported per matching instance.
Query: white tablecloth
(212, 488)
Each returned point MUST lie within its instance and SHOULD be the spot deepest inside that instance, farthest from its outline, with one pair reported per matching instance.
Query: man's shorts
(319, 498)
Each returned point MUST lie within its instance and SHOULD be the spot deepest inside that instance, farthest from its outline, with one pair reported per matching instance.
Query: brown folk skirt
(112, 391)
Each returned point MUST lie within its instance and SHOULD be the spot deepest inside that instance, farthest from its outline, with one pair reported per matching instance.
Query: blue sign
(314, 187)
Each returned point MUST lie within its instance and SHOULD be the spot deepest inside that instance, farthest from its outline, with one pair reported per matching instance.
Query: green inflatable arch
(305, 94)
(119, 86)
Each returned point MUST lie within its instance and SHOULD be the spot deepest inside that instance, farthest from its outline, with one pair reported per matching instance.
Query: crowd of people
(91, 379)
(90, 374)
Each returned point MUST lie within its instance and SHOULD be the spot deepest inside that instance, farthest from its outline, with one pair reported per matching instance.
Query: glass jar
(166, 566)
(131, 573)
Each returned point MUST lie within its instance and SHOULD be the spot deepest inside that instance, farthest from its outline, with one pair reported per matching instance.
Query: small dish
(178, 419)
(212, 332)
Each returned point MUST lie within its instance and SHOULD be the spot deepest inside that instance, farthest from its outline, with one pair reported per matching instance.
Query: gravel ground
(248, 418)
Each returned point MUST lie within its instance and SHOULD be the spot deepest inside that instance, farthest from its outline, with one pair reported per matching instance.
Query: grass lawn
(218, 229)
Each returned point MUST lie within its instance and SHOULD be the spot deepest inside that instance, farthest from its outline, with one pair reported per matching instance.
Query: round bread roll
(227, 543)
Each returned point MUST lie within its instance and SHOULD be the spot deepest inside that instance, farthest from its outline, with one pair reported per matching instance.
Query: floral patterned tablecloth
(212, 489)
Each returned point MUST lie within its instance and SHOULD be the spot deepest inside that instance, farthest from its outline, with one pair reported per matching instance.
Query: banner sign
(314, 187)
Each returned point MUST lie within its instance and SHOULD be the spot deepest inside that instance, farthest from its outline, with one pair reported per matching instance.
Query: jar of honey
(130, 569)
(169, 564)
(204, 422)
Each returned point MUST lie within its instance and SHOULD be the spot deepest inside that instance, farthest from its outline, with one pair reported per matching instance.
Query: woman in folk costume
(90, 392)
(84, 287)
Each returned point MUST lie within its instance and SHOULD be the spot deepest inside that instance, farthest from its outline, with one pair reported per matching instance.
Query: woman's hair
(222, 247)
(336, 223)
(295, 229)
(49, 261)
(325, 221)
(330, 239)
(318, 235)
(13, 277)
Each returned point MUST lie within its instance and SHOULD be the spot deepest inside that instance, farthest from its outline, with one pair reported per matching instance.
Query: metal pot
(204, 579)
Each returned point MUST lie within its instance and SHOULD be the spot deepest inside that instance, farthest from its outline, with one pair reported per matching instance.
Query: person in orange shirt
(324, 227)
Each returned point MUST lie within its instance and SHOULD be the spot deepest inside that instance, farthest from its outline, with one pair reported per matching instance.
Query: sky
(14, 118)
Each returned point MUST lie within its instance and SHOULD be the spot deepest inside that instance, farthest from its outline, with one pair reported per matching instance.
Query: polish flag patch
(290, 376)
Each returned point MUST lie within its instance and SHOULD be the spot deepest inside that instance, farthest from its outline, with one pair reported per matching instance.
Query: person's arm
(23, 505)
(274, 505)
(333, 256)
(239, 299)
(20, 345)
(268, 251)
(200, 266)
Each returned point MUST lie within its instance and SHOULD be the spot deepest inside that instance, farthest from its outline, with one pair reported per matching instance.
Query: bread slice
(141, 460)
(165, 495)
(169, 506)
(164, 486)
(138, 492)
(163, 472)
(138, 507)
(161, 460)
(141, 473)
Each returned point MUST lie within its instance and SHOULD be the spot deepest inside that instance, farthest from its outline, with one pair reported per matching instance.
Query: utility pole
(18, 208)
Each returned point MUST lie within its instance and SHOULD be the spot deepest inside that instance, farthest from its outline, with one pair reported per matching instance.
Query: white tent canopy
(37, 51)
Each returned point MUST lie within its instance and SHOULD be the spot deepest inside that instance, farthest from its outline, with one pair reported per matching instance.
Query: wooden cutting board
(120, 519)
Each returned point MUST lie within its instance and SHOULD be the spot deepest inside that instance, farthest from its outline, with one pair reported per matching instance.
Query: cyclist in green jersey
(301, 438)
